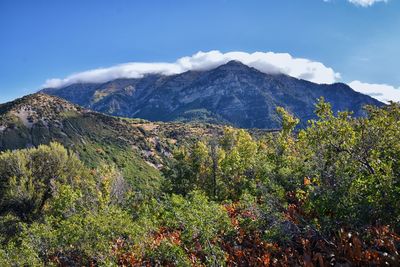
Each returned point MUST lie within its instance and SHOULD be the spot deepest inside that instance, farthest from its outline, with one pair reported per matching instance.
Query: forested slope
(325, 196)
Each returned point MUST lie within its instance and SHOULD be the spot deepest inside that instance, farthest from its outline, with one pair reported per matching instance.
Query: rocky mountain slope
(137, 147)
(231, 94)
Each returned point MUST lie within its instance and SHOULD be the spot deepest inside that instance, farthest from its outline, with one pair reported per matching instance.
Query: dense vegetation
(325, 195)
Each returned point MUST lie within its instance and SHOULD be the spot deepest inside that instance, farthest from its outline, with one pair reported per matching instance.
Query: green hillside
(138, 148)
(108, 191)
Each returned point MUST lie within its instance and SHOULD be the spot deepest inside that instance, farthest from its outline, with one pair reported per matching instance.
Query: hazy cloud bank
(365, 3)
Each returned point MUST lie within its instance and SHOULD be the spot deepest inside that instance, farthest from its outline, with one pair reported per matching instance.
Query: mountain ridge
(233, 93)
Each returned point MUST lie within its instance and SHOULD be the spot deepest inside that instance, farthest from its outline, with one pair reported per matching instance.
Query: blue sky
(52, 39)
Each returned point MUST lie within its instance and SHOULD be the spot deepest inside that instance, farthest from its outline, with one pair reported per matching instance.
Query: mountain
(231, 94)
(137, 147)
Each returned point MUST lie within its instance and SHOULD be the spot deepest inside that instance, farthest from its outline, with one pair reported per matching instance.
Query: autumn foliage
(326, 195)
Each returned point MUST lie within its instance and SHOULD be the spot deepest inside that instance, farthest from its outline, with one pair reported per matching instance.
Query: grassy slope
(138, 148)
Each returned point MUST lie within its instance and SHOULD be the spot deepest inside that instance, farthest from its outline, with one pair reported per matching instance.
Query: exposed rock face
(231, 94)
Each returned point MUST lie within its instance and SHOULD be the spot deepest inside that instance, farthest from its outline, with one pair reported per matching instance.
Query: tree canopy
(317, 196)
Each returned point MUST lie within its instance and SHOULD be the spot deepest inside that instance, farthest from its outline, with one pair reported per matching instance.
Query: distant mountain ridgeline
(232, 94)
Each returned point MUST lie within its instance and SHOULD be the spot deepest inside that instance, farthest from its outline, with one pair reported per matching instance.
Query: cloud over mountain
(382, 92)
(267, 62)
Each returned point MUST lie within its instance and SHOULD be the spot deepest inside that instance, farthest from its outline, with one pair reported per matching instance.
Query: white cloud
(268, 62)
(366, 3)
(382, 92)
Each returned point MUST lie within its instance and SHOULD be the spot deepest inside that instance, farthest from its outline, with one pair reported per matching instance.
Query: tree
(31, 177)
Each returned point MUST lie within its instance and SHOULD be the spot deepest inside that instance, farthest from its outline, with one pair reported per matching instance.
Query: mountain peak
(39, 101)
(37, 107)
(233, 65)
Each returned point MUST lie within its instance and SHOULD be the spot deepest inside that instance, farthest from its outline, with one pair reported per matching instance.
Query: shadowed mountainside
(232, 94)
